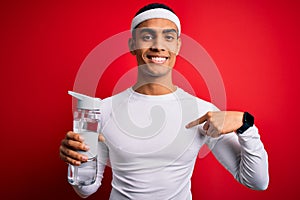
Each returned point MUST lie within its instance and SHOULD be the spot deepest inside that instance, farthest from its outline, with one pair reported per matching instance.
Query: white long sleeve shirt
(152, 154)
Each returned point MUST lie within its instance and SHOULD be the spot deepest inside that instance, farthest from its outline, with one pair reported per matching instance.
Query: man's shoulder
(186, 96)
(116, 98)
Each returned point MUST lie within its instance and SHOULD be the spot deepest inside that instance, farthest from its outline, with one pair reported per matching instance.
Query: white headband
(153, 14)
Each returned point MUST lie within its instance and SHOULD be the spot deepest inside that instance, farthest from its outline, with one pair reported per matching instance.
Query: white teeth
(158, 59)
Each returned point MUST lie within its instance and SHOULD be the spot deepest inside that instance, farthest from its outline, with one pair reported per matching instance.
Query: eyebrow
(172, 30)
(149, 30)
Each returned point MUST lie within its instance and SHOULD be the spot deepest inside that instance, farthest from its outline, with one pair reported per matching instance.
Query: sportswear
(152, 154)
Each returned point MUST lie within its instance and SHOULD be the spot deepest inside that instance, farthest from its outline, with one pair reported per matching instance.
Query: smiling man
(152, 133)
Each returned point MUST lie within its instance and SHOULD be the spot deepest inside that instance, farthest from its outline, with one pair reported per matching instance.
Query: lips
(157, 59)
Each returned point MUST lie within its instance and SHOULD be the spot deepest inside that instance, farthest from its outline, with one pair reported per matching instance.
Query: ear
(131, 45)
(178, 46)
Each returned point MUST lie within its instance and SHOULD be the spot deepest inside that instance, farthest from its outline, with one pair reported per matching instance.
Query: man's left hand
(219, 122)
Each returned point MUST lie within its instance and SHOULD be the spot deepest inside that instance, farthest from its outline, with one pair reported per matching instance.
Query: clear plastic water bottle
(87, 124)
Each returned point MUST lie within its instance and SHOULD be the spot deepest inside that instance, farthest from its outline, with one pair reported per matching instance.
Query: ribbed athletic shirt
(152, 154)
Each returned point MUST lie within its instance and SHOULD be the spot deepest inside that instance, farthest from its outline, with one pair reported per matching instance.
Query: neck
(154, 85)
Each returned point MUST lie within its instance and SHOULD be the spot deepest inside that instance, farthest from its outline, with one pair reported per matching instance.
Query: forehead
(158, 24)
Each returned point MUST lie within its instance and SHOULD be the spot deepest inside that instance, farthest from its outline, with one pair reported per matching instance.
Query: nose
(158, 44)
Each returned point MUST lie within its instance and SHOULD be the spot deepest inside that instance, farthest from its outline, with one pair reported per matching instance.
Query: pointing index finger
(197, 121)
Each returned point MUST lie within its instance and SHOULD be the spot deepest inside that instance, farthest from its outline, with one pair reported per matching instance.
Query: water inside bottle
(90, 136)
(85, 174)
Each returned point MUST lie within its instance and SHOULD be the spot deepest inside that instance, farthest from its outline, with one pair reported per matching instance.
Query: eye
(147, 37)
(170, 37)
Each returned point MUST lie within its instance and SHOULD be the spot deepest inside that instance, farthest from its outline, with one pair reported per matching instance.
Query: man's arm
(243, 154)
(244, 157)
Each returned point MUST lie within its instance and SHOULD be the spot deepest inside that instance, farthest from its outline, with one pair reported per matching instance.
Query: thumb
(101, 137)
(197, 121)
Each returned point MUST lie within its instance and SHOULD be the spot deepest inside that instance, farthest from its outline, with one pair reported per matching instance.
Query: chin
(155, 70)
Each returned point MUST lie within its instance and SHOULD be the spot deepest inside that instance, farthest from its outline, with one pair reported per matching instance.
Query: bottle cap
(86, 102)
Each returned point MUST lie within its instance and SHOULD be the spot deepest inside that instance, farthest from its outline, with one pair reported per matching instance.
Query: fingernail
(85, 147)
(84, 158)
(77, 162)
(81, 138)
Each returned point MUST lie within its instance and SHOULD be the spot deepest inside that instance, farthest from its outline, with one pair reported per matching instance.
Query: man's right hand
(72, 143)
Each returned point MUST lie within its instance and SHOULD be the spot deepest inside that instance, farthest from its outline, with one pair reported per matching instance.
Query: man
(149, 132)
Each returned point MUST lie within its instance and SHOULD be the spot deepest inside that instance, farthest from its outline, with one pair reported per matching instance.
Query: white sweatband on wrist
(154, 14)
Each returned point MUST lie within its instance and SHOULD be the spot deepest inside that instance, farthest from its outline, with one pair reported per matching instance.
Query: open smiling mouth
(157, 59)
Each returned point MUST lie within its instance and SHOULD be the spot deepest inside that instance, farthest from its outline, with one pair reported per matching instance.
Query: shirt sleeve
(102, 159)
(244, 156)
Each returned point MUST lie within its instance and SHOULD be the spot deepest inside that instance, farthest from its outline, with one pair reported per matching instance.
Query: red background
(255, 45)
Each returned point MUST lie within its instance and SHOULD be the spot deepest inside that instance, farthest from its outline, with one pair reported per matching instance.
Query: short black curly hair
(153, 6)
